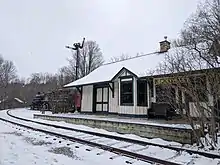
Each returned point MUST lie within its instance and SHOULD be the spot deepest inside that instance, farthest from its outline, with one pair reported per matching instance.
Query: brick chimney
(164, 45)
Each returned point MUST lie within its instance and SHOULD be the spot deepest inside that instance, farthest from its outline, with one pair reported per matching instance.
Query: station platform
(171, 130)
(177, 123)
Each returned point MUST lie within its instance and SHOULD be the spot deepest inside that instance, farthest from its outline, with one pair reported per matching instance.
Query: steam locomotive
(40, 101)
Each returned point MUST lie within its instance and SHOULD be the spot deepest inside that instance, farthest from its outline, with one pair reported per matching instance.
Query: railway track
(119, 151)
(133, 141)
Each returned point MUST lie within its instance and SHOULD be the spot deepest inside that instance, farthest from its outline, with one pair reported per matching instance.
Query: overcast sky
(33, 33)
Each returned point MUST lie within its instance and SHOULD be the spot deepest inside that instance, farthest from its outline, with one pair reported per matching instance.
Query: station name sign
(169, 80)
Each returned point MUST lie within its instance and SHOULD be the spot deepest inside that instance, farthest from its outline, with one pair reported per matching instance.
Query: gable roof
(143, 66)
(139, 66)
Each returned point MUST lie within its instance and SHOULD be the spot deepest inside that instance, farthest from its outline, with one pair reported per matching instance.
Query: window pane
(105, 94)
(142, 99)
(199, 87)
(127, 98)
(99, 107)
(126, 92)
(127, 87)
(99, 95)
(151, 88)
(165, 94)
(142, 93)
(142, 87)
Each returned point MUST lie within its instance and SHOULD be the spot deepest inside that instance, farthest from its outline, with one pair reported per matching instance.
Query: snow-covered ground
(28, 114)
(152, 150)
(156, 151)
(25, 113)
(20, 147)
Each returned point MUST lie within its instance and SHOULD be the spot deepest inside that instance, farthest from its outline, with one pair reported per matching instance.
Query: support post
(112, 88)
(76, 47)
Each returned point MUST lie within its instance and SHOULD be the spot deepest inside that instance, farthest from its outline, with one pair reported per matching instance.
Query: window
(165, 94)
(198, 88)
(151, 87)
(179, 96)
(142, 99)
(127, 91)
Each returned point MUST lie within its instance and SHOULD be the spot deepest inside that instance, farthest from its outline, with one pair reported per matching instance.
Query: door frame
(95, 87)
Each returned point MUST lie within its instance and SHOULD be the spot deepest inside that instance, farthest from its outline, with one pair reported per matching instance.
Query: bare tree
(1, 69)
(193, 70)
(90, 58)
(188, 88)
(202, 32)
(35, 78)
(19, 80)
(7, 72)
(67, 74)
(37, 82)
(7, 75)
(120, 58)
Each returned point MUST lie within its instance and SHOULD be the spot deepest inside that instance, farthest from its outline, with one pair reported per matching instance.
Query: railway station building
(127, 87)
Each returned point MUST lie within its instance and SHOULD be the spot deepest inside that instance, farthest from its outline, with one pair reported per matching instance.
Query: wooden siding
(133, 110)
(153, 99)
(87, 98)
(141, 110)
(114, 102)
(99, 95)
(126, 110)
(194, 111)
(135, 92)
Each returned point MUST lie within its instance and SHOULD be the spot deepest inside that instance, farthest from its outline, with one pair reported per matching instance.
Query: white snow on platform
(144, 121)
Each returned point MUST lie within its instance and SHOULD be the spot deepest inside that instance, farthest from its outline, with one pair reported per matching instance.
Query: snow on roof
(141, 66)
(138, 65)
(20, 101)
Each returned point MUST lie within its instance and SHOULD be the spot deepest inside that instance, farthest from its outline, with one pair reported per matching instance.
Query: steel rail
(115, 150)
(135, 141)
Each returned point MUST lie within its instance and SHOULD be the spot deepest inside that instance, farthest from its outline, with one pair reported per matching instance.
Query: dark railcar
(40, 102)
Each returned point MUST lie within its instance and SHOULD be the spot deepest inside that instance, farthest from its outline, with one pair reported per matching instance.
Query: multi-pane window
(142, 99)
(151, 87)
(126, 91)
(165, 94)
(198, 88)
